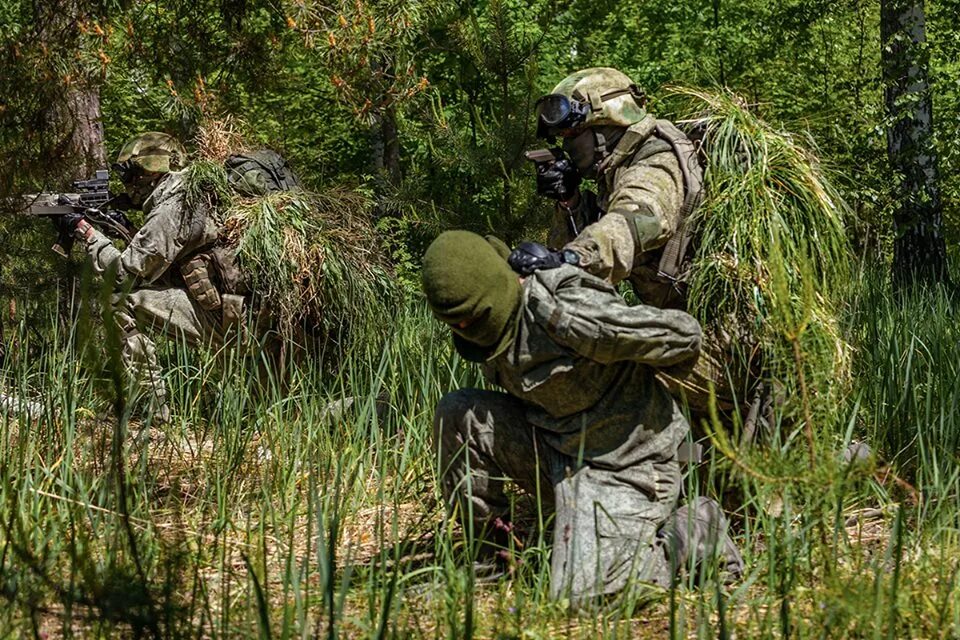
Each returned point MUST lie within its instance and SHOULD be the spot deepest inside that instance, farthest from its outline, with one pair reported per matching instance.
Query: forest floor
(258, 513)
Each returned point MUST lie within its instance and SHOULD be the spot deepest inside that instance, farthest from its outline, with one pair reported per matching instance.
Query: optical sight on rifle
(93, 200)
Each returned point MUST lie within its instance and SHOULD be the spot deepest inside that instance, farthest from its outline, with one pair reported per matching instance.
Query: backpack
(214, 272)
(260, 172)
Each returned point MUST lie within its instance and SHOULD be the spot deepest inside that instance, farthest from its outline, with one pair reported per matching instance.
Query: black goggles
(556, 112)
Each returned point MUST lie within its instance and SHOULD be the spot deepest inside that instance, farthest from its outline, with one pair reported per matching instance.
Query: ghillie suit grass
(772, 255)
(312, 258)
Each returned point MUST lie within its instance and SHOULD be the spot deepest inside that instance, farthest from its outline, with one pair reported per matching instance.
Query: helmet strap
(601, 145)
(596, 101)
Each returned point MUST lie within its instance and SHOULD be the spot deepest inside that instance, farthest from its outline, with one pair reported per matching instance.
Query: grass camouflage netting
(772, 253)
(312, 257)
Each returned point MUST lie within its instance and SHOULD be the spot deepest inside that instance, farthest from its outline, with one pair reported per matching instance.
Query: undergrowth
(264, 510)
(772, 255)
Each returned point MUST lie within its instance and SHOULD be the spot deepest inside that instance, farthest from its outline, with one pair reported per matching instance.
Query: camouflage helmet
(600, 96)
(152, 151)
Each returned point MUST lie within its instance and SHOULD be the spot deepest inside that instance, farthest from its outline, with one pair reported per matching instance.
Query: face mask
(139, 190)
(582, 149)
(591, 147)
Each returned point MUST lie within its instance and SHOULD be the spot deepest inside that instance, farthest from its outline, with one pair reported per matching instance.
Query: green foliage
(258, 508)
(908, 360)
(312, 258)
(264, 515)
(773, 257)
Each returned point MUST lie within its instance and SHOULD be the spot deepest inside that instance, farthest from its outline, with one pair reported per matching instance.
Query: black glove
(533, 256)
(558, 180)
(66, 224)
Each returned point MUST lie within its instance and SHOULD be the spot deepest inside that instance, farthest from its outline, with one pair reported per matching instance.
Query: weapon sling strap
(675, 251)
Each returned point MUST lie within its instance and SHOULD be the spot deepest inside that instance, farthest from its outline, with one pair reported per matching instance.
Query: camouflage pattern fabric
(154, 151)
(168, 311)
(638, 206)
(585, 425)
(170, 233)
(622, 232)
(610, 93)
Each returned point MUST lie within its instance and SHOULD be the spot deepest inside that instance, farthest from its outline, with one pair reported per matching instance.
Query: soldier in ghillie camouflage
(172, 276)
(584, 422)
(649, 180)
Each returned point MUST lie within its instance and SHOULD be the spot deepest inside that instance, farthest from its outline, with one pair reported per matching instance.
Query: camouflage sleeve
(587, 315)
(151, 251)
(168, 233)
(643, 211)
(105, 256)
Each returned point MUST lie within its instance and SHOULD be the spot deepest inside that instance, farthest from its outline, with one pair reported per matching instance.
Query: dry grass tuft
(218, 139)
(312, 257)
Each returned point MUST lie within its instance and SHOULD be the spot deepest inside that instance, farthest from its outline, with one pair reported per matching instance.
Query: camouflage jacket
(623, 229)
(585, 363)
(171, 232)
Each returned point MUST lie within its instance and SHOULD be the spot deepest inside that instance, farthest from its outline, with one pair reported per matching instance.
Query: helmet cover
(153, 151)
(612, 97)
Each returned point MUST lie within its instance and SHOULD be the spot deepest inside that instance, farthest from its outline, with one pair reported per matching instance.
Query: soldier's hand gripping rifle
(91, 200)
(557, 177)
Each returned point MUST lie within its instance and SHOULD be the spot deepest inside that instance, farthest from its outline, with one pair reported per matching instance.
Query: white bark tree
(919, 245)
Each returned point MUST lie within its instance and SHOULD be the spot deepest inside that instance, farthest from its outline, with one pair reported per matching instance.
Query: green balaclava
(468, 282)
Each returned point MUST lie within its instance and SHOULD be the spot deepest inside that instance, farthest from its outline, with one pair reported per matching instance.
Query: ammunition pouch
(197, 276)
(224, 262)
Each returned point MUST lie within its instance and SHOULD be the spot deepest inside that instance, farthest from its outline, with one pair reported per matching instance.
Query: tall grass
(771, 252)
(259, 512)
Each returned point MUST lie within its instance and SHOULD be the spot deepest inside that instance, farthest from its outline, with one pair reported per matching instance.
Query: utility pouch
(224, 262)
(196, 275)
(690, 453)
(232, 310)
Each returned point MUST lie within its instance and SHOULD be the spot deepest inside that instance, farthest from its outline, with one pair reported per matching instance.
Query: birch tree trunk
(919, 245)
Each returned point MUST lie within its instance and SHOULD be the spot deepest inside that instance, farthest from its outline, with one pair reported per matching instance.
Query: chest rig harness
(674, 256)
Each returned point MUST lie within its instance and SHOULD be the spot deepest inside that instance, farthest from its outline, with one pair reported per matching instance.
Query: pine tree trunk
(390, 133)
(79, 121)
(75, 119)
(385, 147)
(919, 246)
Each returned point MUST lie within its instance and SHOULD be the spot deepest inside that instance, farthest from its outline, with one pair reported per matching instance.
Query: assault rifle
(92, 199)
(545, 160)
(554, 160)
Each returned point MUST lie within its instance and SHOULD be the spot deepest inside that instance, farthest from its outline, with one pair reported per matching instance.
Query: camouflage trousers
(608, 533)
(163, 310)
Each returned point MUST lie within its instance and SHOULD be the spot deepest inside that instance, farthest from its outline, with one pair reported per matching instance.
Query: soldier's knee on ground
(123, 317)
(450, 428)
